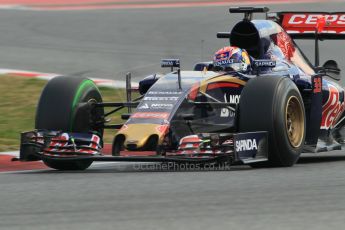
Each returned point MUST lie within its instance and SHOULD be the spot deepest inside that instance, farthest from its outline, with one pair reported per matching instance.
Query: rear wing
(311, 25)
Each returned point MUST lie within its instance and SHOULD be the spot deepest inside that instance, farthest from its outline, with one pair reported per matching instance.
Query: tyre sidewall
(287, 154)
(262, 108)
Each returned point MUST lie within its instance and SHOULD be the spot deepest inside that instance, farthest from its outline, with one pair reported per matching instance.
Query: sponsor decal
(150, 115)
(170, 63)
(144, 106)
(251, 145)
(156, 106)
(246, 145)
(227, 113)
(332, 109)
(264, 63)
(304, 22)
(161, 98)
(233, 99)
(312, 19)
(284, 42)
(223, 56)
(317, 85)
(161, 106)
(225, 53)
(224, 62)
(228, 92)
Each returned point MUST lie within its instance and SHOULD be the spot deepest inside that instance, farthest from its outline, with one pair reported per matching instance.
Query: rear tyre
(274, 104)
(59, 108)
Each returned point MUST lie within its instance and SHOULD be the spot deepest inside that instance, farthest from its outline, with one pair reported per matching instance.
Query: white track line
(14, 7)
(13, 153)
(47, 76)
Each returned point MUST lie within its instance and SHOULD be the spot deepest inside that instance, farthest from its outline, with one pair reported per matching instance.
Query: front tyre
(59, 109)
(67, 165)
(274, 104)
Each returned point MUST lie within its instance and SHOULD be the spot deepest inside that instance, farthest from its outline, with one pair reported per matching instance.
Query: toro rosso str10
(284, 106)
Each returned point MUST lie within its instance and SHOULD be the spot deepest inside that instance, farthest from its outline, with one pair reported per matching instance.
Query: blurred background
(110, 38)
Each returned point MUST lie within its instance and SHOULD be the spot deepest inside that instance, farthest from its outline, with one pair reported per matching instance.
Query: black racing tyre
(274, 104)
(58, 109)
(67, 165)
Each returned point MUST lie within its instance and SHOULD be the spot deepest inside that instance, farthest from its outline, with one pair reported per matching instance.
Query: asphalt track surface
(108, 43)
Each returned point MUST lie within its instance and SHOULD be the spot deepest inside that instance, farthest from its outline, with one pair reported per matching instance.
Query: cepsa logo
(332, 109)
(307, 22)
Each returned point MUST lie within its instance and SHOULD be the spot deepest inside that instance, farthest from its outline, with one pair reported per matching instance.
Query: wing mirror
(331, 69)
(147, 82)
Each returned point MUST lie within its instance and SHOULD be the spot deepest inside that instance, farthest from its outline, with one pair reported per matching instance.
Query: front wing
(201, 148)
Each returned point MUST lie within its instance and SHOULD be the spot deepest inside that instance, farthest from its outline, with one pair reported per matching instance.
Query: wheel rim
(294, 121)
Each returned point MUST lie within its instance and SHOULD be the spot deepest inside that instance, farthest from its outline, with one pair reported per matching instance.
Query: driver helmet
(231, 58)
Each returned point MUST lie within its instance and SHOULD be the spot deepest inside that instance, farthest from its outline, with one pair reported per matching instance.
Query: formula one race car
(267, 117)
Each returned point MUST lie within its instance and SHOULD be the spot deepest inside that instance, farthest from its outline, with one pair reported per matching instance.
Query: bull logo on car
(332, 109)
